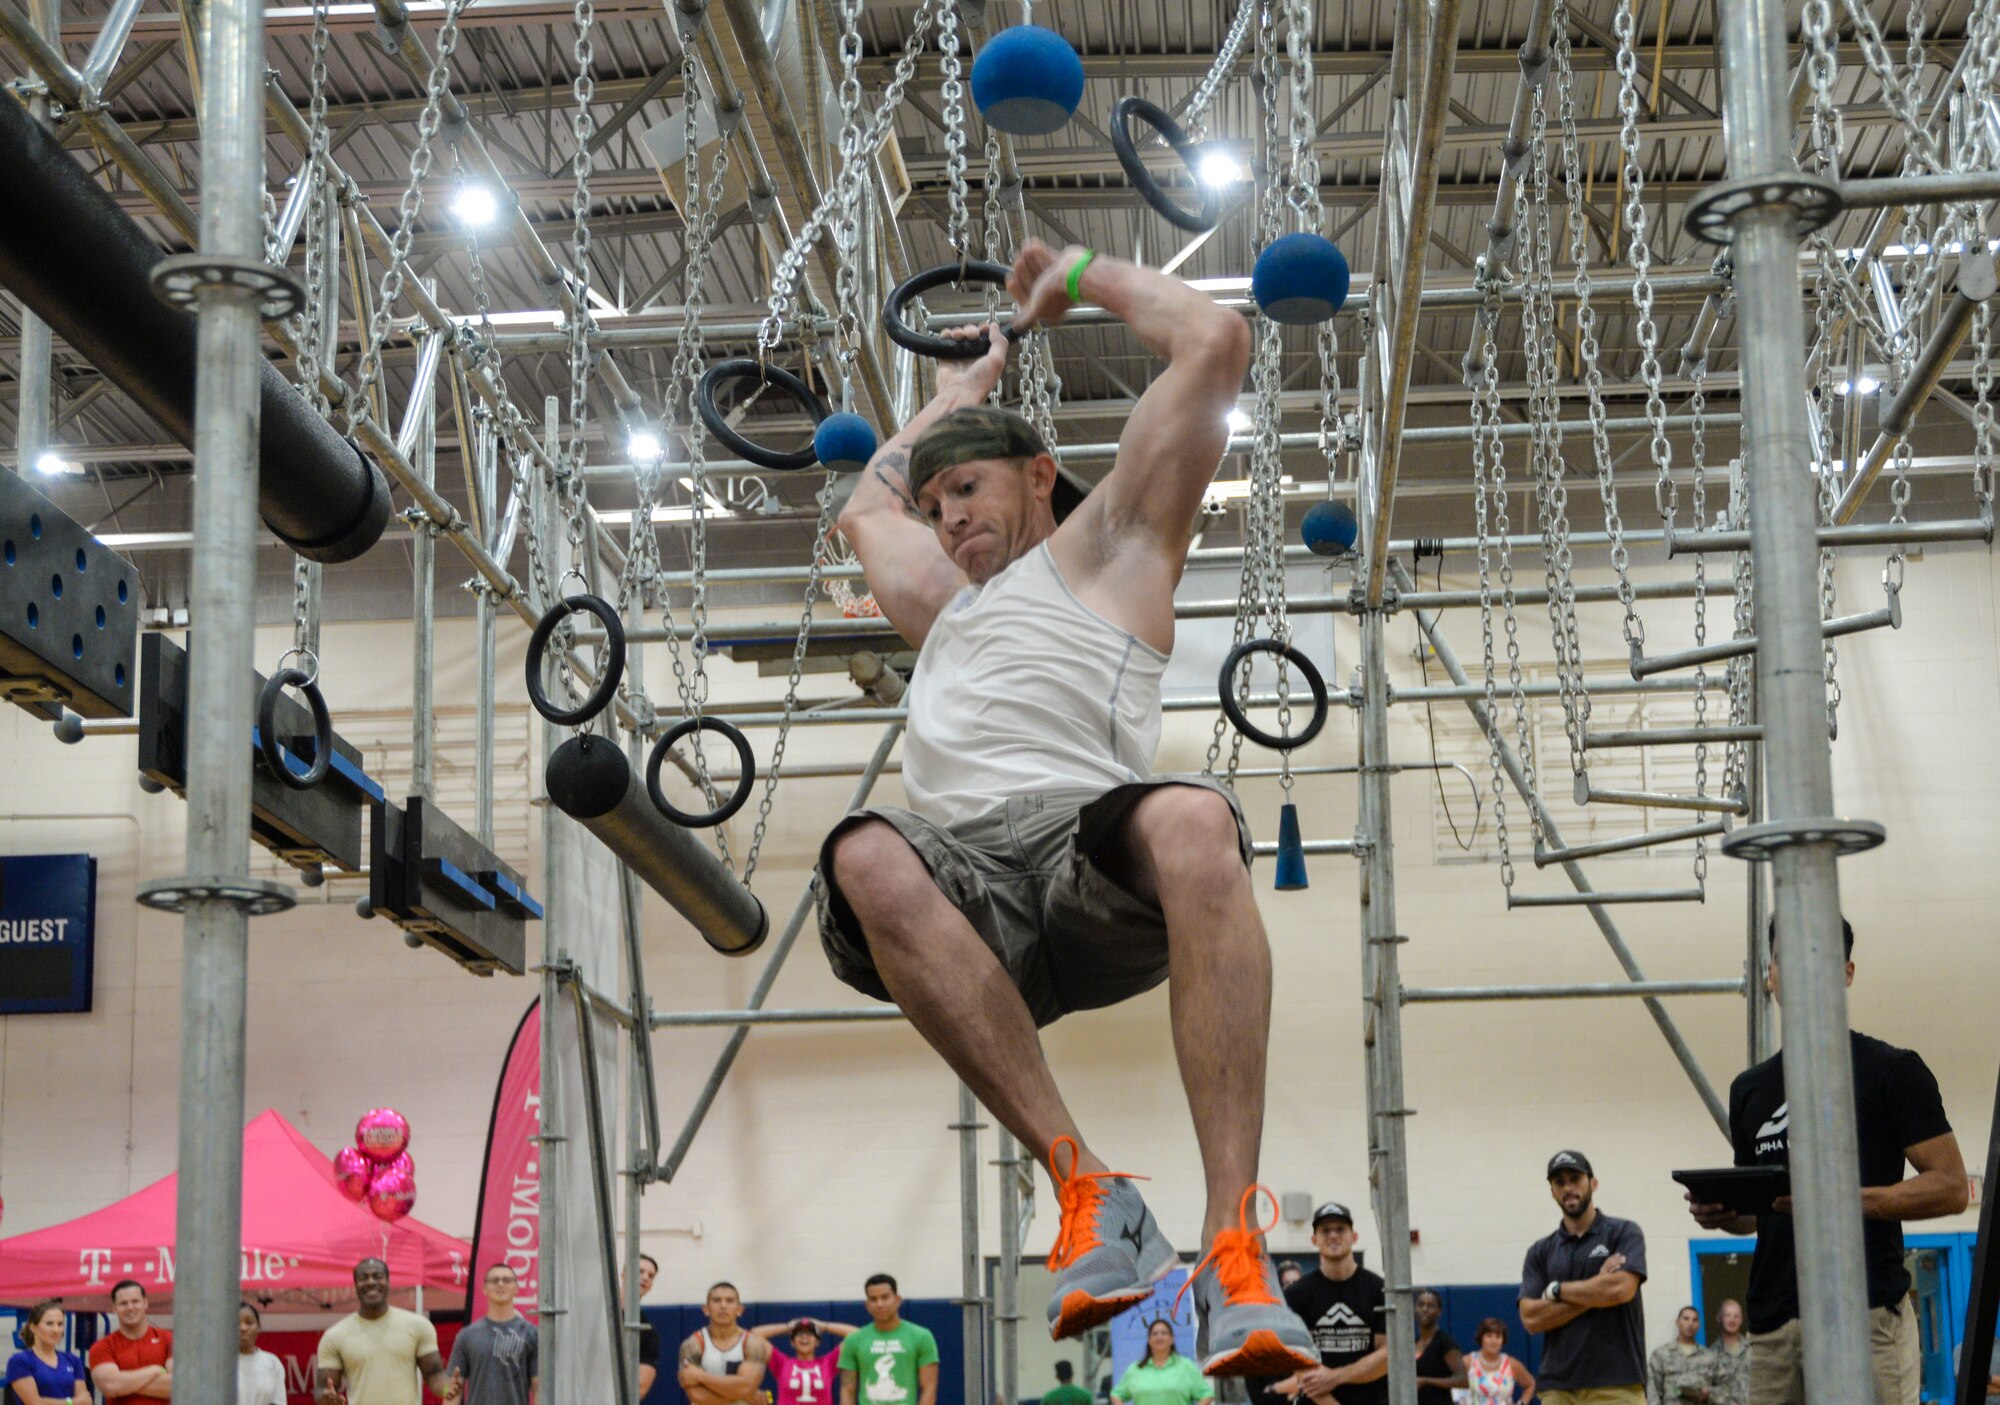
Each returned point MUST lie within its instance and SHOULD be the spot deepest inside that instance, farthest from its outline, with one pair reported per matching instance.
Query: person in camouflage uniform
(1680, 1373)
(1730, 1357)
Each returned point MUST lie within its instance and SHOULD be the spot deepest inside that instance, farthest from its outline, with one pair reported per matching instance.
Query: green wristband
(1076, 275)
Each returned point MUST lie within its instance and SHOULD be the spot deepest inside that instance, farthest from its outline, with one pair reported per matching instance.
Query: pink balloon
(404, 1164)
(351, 1172)
(382, 1134)
(392, 1195)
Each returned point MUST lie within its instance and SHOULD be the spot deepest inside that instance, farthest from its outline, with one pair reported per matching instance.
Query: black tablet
(1748, 1190)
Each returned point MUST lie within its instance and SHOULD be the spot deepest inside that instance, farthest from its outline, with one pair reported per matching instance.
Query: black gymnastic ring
(941, 348)
(1234, 711)
(1160, 120)
(746, 777)
(267, 729)
(749, 368)
(607, 681)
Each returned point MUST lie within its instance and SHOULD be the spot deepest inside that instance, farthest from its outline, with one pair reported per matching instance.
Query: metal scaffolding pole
(972, 1301)
(218, 896)
(420, 429)
(36, 366)
(1016, 1180)
(1778, 458)
(1382, 1012)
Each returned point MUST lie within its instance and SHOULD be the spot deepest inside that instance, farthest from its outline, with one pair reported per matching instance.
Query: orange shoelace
(1081, 1199)
(1238, 1257)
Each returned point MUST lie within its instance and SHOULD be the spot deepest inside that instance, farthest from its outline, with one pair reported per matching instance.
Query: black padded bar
(590, 780)
(442, 885)
(320, 826)
(84, 266)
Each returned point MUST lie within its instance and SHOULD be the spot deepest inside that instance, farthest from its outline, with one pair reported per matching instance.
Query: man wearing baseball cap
(1039, 866)
(1345, 1305)
(1580, 1287)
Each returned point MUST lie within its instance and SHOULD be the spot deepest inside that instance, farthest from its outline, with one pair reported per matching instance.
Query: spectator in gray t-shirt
(494, 1359)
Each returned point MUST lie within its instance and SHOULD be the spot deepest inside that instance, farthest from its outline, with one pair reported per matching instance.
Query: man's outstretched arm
(911, 577)
(1177, 433)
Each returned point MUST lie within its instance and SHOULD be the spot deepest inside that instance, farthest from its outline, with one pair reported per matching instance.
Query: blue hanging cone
(1291, 851)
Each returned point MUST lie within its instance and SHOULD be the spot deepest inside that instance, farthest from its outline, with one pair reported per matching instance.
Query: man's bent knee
(1185, 830)
(875, 868)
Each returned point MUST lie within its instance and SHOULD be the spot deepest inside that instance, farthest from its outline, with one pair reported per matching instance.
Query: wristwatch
(1554, 1292)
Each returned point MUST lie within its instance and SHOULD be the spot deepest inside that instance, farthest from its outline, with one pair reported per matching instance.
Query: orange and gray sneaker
(1247, 1329)
(1108, 1253)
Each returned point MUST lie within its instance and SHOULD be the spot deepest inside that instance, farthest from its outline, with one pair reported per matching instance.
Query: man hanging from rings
(1040, 868)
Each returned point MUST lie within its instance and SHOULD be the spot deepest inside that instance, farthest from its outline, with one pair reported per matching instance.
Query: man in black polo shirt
(1581, 1287)
(1898, 1116)
(1344, 1305)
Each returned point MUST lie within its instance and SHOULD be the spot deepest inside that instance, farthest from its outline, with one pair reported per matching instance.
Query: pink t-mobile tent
(301, 1239)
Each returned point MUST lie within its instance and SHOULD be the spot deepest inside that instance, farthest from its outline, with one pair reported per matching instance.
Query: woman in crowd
(42, 1373)
(1162, 1376)
(260, 1376)
(1440, 1365)
(1494, 1377)
(805, 1377)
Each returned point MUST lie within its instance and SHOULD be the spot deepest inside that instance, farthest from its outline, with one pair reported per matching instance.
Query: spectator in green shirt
(890, 1361)
(1162, 1376)
(1067, 1391)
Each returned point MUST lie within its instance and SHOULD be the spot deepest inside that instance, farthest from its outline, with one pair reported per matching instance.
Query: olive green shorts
(1030, 880)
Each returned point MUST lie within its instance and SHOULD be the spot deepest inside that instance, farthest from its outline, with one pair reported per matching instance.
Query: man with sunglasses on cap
(1580, 1287)
(1040, 866)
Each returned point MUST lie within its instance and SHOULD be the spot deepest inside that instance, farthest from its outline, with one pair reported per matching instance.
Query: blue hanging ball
(1300, 279)
(1291, 851)
(1027, 81)
(1329, 529)
(844, 443)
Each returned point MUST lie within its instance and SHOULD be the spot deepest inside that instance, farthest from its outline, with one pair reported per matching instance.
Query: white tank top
(1022, 689)
(715, 1360)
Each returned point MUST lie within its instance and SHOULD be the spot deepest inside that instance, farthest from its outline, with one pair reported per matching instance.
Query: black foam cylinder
(83, 265)
(592, 782)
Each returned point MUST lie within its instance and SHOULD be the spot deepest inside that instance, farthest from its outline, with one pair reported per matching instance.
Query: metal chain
(1546, 452)
(1587, 348)
(1982, 409)
(1483, 489)
(583, 125)
(1251, 582)
(1302, 169)
(1194, 117)
(958, 223)
(855, 168)
(1896, 94)
(313, 334)
(436, 83)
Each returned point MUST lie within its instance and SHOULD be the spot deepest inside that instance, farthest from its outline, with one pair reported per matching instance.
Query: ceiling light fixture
(475, 207)
(1219, 169)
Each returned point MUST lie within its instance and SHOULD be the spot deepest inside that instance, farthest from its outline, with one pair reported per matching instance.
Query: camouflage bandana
(973, 432)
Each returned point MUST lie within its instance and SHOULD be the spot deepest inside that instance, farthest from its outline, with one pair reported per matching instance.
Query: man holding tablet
(1899, 1116)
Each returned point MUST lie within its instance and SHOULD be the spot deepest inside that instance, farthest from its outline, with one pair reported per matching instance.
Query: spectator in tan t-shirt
(135, 1363)
(378, 1354)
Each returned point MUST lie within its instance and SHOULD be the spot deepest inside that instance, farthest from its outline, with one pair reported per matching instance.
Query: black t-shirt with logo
(1344, 1316)
(1896, 1105)
(1605, 1347)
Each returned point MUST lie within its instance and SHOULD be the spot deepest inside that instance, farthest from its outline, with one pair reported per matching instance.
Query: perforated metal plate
(69, 611)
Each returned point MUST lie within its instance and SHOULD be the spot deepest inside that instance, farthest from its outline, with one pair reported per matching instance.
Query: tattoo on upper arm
(889, 470)
(691, 1350)
(757, 1349)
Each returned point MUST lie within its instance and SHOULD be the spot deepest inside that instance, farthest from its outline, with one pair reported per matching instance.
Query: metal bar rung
(1705, 830)
(1266, 848)
(1890, 614)
(1660, 800)
(1606, 898)
(1671, 736)
(1974, 529)
(1437, 995)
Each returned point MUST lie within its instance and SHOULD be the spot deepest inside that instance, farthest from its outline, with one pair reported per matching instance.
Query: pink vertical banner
(509, 1230)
